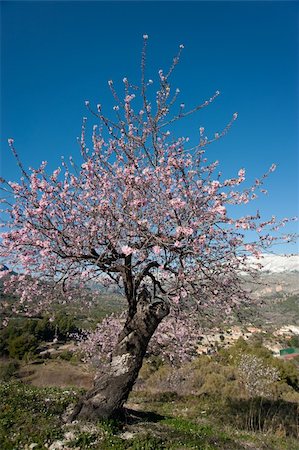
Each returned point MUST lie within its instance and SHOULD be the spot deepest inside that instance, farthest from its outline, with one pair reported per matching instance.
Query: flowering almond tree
(144, 210)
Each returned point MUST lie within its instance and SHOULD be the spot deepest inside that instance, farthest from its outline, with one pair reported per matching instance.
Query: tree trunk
(111, 389)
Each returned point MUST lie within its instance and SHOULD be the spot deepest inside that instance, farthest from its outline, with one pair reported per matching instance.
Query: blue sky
(55, 55)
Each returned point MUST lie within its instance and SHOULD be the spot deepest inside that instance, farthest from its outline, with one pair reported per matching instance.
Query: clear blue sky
(55, 55)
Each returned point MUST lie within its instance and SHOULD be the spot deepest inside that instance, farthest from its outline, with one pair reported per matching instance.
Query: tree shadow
(131, 416)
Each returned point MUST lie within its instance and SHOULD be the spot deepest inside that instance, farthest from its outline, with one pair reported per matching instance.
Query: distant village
(216, 338)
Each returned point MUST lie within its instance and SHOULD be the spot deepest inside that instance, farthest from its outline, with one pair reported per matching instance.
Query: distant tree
(257, 377)
(144, 210)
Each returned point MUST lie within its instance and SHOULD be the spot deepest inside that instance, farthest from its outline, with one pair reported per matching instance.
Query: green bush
(44, 330)
(288, 373)
(66, 355)
(8, 370)
(294, 341)
(20, 346)
(65, 326)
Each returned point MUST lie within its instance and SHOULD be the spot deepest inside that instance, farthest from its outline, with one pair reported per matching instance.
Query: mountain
(280, 263)
(279, 276)
(276, 291)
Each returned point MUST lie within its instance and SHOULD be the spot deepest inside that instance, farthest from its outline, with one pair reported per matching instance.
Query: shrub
(294, 341)
(256, 377)
(22, 345)
(66, 355)
(288, 372)
(8, 370)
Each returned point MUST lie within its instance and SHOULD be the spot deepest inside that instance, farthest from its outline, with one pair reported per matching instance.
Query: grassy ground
(31, 417)
(200, 405)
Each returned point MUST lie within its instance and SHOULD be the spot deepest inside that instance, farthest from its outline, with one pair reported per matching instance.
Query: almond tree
(144, 210)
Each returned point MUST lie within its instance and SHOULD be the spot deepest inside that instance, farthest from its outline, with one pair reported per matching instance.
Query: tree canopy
(143, 208)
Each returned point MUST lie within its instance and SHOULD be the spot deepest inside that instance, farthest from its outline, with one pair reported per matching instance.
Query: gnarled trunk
(111, 389)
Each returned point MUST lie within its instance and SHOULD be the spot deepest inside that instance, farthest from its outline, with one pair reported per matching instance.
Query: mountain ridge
(278, 263)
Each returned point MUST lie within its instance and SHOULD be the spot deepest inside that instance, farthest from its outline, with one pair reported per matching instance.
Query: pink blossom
(127, 250)
(186, 231)
(157, 250)
(241, 173)
(220, 209)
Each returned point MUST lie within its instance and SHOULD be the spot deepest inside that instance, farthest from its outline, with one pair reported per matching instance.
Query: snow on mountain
(279, 263)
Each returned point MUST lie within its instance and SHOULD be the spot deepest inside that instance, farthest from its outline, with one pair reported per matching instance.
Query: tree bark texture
(111, 389)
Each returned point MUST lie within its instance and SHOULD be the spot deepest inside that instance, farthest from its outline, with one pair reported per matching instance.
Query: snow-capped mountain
(280, 263)
(279, 276)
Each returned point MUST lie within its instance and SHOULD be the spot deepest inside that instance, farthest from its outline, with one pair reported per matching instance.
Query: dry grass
(58, 374)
